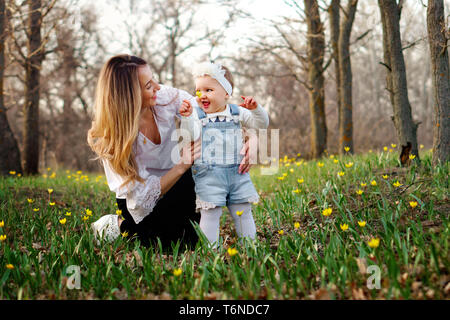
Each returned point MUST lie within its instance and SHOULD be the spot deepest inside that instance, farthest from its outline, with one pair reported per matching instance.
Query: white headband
(214, 70)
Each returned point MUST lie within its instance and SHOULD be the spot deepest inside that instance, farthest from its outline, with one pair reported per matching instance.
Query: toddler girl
(215, 172)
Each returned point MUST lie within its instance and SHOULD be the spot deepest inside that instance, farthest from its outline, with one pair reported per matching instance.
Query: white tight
(244, 224)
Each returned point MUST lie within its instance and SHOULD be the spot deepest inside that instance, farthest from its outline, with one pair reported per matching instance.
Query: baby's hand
(185, 109)
(249, 103)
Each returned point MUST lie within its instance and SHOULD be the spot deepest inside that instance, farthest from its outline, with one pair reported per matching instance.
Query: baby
(217, 181)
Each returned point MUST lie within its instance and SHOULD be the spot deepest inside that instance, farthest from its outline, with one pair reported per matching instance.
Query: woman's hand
(249, 150)
(189, 153)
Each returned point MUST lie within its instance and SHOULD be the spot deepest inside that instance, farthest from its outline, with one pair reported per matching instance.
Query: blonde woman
(132, 135)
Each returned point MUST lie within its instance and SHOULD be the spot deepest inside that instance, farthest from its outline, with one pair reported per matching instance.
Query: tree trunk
(316, 48)
(441, 80)
(333, 11)
(396, 79)
(345, 75)
(10, 154)
(32, 77)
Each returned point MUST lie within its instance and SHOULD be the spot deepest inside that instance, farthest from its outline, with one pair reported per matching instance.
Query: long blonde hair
(117, 107)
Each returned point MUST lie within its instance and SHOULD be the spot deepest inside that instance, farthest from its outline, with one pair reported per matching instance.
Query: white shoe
(107, 227)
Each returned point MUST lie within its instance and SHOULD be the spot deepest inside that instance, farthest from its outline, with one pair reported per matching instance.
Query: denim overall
(215, 173)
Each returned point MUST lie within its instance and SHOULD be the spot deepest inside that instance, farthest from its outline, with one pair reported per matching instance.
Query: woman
(133, 135)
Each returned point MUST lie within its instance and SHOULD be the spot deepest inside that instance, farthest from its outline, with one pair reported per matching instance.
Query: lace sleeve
(142, 198)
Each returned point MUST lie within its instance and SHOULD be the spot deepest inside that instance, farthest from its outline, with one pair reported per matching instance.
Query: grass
(299, 253)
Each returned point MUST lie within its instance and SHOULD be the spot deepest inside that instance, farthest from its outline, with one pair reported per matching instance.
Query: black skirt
(171, 220)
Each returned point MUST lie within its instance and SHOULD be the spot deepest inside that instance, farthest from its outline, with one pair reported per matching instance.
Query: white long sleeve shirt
(153, 160)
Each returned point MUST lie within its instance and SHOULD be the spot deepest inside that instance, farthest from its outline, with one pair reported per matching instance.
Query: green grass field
(382, 219)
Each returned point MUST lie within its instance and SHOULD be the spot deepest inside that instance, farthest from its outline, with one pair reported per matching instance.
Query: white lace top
(153, 160)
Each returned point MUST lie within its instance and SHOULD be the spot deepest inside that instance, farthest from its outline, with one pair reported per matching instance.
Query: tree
(396, 75)
(333, 11)
(316, 50)
(441, 79)
(10, 154)
(345, 80)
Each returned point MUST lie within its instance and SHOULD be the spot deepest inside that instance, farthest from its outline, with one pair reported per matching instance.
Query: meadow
(342, 227)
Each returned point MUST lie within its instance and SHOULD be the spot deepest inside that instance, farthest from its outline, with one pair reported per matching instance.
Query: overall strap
(202, 116)
(235, 112)
(200, 112)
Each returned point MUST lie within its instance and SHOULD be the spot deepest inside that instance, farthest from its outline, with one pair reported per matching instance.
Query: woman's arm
(143, 196)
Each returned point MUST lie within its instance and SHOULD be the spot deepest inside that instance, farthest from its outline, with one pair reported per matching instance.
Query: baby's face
(211, 95)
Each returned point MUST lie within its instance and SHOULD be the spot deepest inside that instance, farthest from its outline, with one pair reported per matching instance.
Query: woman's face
(149, 86)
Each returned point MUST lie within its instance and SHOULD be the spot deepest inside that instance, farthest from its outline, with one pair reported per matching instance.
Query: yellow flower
(332, 156)
(296, 225)
(349, 165)
(385, 176)
(397, 184)
(88, 212)
(298, 154)
(373, 182)
(52, 203)
(125, 234)
(79, 172)
(198, 93)
(19, 174)
(45, 176)
(412, 156)
(30, 200)
(118, 212)
(84, 218)
(280, 178)
(422, 146)
(326, 212)
(374, 242)
(297, 190)
(413, 204)
(53, 175)
(300, 180)
(362, 224)
(232, 251)
(344, 226)
(239, 213)
(363, 184)
(347, 149)
(341, 173)
(285, 174)
(390, 150)
(12, 172)
(48, 169)
(177, 272)
(359, 192)
(68, 213)
(9, 266)
(36, 209)
(385, 148)
(291, 170)
(2, 224)
(63, 221)
(335, 160)
(281, 232)
(50, 191)
(393, 145)
(2, 237)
